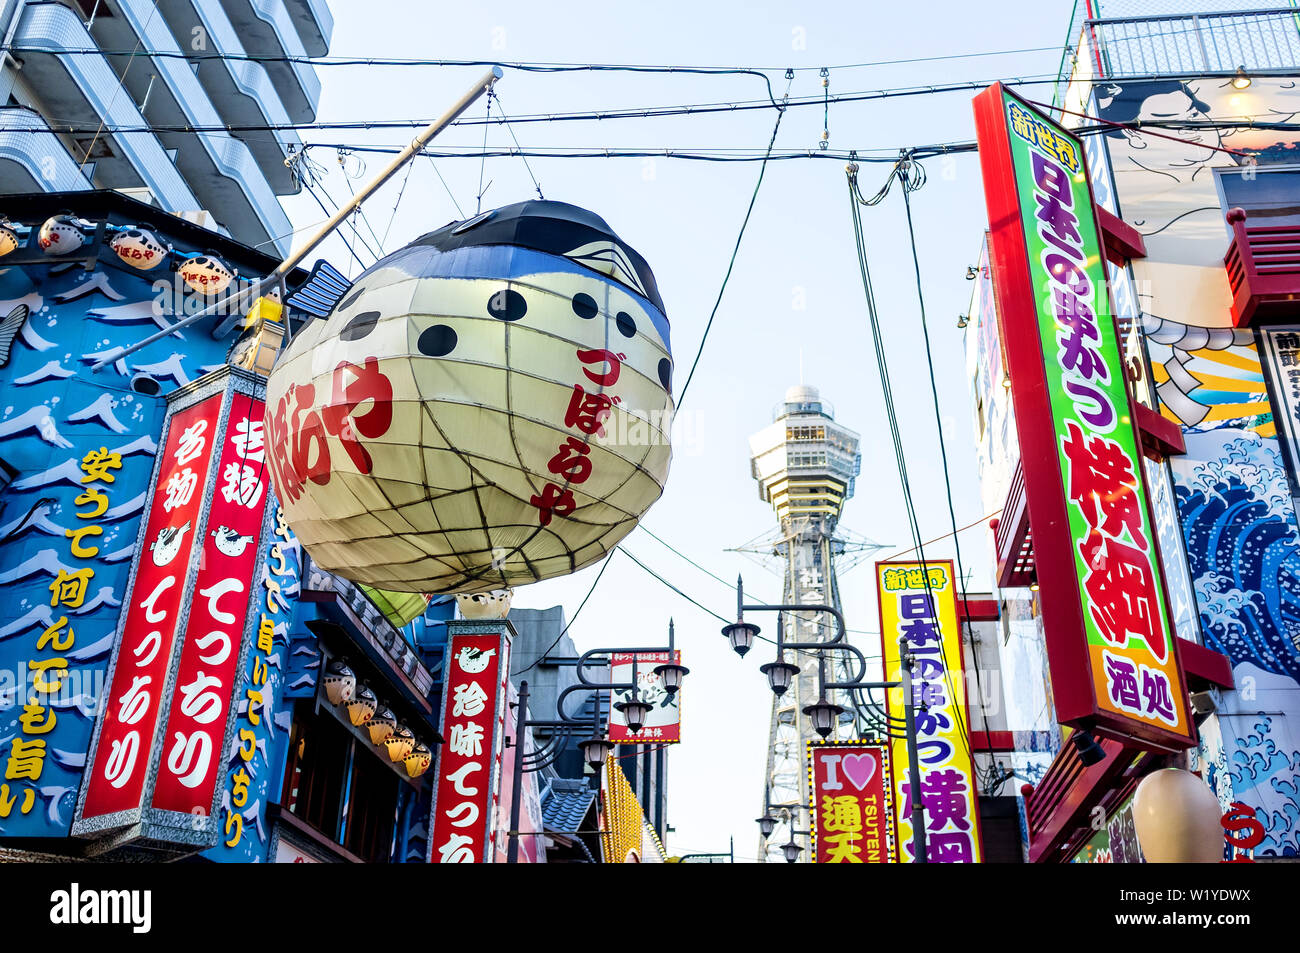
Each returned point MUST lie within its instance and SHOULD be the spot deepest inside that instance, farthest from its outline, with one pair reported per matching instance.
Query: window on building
(337, 784)
(1269, 194)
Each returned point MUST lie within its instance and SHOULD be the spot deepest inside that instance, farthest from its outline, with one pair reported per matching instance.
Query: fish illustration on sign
(168, 544)
(472, 660)
(230, 543)
(13, 323)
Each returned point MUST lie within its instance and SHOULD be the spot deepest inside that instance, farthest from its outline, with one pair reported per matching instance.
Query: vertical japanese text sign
(851, 809)
(194, 743)
(926, 616)
(1105, 613)
(113, 788)
(476, 665)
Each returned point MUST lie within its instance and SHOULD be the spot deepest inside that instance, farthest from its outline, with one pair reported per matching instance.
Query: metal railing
(1260, 40)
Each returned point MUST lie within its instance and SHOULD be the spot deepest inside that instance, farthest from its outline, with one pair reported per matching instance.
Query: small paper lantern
(340, 682)
(1177, 818)
(8, 237)
(363, 706)
(418, 761)
(139, 248)
(382, 724)
(206, 274)
(61, 235)
(400, 743)
(487, 407)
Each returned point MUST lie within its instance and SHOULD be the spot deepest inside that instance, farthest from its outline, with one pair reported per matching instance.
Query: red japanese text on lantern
(360, 405)
(586, 413)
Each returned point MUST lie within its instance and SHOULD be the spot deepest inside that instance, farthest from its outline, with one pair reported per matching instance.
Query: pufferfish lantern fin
(323, 289)
(608, 258)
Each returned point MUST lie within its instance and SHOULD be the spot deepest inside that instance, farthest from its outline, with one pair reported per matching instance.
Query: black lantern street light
(824, 714)
(595, 749)
(767, 825)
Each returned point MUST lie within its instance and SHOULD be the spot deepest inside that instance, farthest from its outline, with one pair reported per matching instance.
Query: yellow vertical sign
(919, 604)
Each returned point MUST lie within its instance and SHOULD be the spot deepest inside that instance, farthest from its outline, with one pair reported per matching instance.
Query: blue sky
(795, 289)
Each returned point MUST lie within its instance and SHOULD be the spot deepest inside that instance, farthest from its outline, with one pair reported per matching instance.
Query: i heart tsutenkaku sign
(852, 812)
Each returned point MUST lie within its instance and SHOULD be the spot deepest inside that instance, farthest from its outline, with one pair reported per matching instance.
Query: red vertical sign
(851, 808)
(473, 709)
(115, 781)
(201, 699)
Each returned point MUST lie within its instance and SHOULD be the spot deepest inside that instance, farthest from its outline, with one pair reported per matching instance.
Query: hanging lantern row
(135, 245)
(364, 710)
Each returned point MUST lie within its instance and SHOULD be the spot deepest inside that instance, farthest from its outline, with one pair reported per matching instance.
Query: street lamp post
(596, 749)
(824, 713)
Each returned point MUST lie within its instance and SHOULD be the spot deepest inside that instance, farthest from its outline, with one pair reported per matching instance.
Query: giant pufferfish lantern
(487, 407)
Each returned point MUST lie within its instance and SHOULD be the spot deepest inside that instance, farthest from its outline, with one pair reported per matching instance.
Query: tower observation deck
(805, 464)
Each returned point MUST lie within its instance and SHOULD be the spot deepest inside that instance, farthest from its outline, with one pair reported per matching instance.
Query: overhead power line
(599, 115)
(532, 67)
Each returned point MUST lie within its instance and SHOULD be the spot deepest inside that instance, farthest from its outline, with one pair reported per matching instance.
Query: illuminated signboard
(466, 799)
(851, 803)
(1114, 666)
(919, 604)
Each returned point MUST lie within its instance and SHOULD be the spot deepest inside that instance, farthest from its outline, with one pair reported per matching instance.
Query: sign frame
(883, 778)
(1076, 691)
(185, 832)
(484, 850)
(954, 675)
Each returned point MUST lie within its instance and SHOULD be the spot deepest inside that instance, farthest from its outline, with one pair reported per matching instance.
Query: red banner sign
(116, 779)
(663, 725)
(851, 809)
(473, 711)
(201, 700)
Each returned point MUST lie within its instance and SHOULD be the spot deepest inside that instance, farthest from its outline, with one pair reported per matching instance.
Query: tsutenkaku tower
(805, 464)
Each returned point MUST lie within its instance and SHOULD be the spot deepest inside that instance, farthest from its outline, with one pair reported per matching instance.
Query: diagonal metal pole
(239, 300)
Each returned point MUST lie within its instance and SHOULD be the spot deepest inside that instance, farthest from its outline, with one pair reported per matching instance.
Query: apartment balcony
(266, 29)
(32, 159)
(314, 22)
(220, 168)
(1263, 40)
(83, 91)
(241, 90)
(1263, 265)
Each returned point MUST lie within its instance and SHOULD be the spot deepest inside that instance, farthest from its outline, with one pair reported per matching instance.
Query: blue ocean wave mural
(1243, 546)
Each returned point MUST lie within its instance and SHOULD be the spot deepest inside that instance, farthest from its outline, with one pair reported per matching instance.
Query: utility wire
(882, 364)
(536, 185)
(537, 66)
(573, 619)
(450, 195)
(762, 170)
(913, 177)
(723, 619)
(646, 112)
